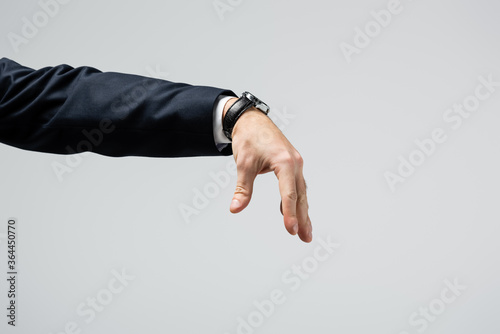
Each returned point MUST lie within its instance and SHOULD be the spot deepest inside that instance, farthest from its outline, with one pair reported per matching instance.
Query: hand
(260, 147)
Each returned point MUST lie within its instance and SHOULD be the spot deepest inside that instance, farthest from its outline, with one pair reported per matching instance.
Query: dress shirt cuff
(221, 141)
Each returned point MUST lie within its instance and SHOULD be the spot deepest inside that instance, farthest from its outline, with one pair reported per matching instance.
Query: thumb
(243, 192)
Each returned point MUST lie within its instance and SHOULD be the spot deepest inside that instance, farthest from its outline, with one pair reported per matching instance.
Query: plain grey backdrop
(353, 118)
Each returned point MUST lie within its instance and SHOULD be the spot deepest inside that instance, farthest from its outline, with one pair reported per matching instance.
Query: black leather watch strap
(233, 113)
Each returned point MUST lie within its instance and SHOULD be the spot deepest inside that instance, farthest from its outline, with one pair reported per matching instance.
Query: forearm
(52, 110)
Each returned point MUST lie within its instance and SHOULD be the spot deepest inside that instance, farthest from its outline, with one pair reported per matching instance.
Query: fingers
(305, 228)
(294, 205)
(271, 152)
(244, 187)
(288, 191)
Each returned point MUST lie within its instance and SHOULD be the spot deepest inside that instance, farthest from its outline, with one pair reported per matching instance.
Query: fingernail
(310, 235)
(235, 204)
(295, 229)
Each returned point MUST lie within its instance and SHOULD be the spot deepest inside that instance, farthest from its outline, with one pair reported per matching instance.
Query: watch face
(257, 102)
(251, 97)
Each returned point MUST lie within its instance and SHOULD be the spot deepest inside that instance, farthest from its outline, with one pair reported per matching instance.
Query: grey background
(351, 122)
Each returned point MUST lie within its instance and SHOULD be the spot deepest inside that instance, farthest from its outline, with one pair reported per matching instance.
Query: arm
(69, 110)
(65, 110)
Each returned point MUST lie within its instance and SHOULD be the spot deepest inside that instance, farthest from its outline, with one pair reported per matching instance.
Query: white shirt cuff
(221, 141)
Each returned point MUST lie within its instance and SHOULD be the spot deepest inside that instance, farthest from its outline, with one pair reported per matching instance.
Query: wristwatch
(246, 101)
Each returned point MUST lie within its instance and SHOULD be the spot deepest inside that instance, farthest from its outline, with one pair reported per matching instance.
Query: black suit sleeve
(68, 110)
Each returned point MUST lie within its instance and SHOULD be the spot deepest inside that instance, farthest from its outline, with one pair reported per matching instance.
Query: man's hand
(260, 147)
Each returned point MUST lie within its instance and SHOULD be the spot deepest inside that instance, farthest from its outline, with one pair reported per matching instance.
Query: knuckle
(240, 189)
(291, 158)
(292, 195)
(299, 159)
(287, 159)
(303, 199)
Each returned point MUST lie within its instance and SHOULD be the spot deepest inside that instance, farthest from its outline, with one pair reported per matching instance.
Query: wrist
(248, 108)
(228, 105)
(251, 119)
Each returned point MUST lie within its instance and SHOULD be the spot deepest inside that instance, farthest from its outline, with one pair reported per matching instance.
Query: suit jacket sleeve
(68, 110)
